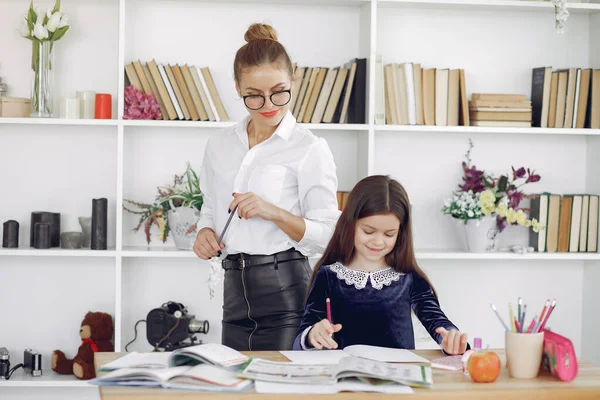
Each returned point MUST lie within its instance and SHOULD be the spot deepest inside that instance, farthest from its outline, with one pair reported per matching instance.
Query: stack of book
(510, 110)
(414, 95)
(570, 221)
(183, 92)
(330, 95)
(566, 98)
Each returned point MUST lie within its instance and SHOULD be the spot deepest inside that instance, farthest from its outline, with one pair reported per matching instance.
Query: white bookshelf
(66, 163)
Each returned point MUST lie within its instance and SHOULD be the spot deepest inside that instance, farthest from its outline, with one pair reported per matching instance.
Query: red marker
(328, 304)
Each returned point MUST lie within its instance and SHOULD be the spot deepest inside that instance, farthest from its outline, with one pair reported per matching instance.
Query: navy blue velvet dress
(373, 308)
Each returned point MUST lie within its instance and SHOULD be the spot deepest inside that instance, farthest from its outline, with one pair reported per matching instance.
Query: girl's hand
(454, 342)
(250, 205)
(320, 335)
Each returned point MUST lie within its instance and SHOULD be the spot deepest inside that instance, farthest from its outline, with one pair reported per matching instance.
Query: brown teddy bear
(96, 333)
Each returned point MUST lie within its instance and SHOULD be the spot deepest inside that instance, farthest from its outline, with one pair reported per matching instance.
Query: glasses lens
(281, 98)
(254, 102)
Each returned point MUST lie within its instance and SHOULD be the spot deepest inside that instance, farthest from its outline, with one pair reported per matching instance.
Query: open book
(208, 353)
(203, 377)
(376, 353)
(348, 367)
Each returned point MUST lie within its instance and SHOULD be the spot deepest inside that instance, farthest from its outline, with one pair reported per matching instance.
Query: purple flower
(520, 173)
(473, 179)
(140, 105)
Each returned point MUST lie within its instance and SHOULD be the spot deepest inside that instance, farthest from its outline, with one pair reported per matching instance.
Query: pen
(543, 324)
(543, 311)
(522, 321)
(328, 304)
(499, 317)
(518, 326)
(226, 226)
(530, 329)
(520, 304)
(511, 317)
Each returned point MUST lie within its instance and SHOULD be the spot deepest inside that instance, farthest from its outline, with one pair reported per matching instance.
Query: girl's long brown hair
(376, 194)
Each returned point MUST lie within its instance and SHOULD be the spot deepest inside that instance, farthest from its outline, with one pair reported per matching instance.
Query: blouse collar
(359, 278)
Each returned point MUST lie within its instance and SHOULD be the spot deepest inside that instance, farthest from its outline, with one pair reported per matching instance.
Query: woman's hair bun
(260, 31)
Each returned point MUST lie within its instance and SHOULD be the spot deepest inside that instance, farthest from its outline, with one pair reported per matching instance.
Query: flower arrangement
(139, 105)
(560, 14)
(44, 26)
(482, 195)
(184, 192)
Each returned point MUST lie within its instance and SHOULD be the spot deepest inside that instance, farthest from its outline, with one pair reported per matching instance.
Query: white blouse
(293, 170)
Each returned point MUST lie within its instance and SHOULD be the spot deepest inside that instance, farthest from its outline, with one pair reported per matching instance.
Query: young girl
(369, 274)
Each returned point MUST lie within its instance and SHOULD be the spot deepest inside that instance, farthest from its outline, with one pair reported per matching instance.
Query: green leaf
(29, 24)
(59, 33)
(32, 16)
(56, 6)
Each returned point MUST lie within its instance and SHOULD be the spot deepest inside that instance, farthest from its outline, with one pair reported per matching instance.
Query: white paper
(329, 357)
(139, 360)
(384, 354)
(350, 385)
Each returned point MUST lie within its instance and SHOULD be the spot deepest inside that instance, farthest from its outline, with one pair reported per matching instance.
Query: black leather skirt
(264, 300)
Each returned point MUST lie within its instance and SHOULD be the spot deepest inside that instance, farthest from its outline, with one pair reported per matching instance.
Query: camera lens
(198, 326)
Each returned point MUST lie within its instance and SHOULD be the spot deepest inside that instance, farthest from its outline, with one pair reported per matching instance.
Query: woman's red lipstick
(269, 114)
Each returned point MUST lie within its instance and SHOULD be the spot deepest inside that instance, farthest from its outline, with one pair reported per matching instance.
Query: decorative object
(103, 106)
(86, 229)
(184, 192)
(69, 108)
(41, 236)
(139, 105)
(560, 15)
(50, 218)
(482, 198)
(99, 223)
(96, 333)
(87, 104)
(10, 234)
(71, 240)
(43, 29)
(182, 222)
(15, 107)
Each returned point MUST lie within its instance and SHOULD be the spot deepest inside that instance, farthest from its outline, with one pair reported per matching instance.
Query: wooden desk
(446, 385)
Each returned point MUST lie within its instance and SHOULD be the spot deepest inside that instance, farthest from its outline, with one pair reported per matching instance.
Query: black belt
(243, 260)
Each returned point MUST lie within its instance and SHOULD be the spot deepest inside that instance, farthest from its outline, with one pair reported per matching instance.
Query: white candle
(69, 108)
(87, 104)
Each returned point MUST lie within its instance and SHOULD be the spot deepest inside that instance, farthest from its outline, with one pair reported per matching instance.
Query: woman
(281, 182)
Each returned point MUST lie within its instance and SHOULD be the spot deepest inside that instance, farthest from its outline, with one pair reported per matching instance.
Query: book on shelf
(349, 367)
(342, 198)
(500, 109)
(410, 94)
(330, 94)
(570, 221)
(565, 97)
(183, 92)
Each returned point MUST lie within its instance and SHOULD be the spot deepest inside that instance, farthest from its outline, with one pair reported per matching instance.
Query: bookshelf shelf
(493, 5)
(29, 252)
(488, 130)
(48, 379)
(58, 121)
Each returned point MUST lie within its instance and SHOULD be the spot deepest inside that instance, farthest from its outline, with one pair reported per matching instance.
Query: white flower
(39, 31)
(64, 20)
(24, 29)
(53, 22)
(39, 14)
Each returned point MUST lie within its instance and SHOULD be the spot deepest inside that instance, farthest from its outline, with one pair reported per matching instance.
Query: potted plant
(485, 205)
(176, 209)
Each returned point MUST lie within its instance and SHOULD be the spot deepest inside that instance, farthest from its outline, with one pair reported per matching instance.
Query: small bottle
(467, 354)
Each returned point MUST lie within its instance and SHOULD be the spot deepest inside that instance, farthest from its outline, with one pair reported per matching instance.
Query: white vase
(478, 236)
(180, 221)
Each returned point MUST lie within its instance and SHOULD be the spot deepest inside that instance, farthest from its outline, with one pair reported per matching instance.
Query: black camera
(168, 327)
(32, 362)
(4, 363)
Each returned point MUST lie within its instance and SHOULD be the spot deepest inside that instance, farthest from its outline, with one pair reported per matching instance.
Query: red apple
(484, 366)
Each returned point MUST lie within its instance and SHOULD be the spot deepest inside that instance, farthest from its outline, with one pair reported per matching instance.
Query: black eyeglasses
(257, 101)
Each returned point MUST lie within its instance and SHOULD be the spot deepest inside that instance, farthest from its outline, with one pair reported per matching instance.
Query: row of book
(182, 92)
(342, 198)
(565, 98)
(414, 95)
(571, 222)
(330, 94)
(511, 110)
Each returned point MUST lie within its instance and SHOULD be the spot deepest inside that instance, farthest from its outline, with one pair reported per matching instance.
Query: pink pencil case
(559, 356)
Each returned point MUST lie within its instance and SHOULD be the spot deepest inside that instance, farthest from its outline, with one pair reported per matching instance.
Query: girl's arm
(427, 308)
(314, 310)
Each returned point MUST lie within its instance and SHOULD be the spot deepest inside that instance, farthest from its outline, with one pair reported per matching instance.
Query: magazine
(348, 367)
(208, 353)
(203, 377)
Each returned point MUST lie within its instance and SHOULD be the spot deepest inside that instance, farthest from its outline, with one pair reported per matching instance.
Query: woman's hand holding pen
(206, 245)
(320, 335)
(454, 342)
(250, 205)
